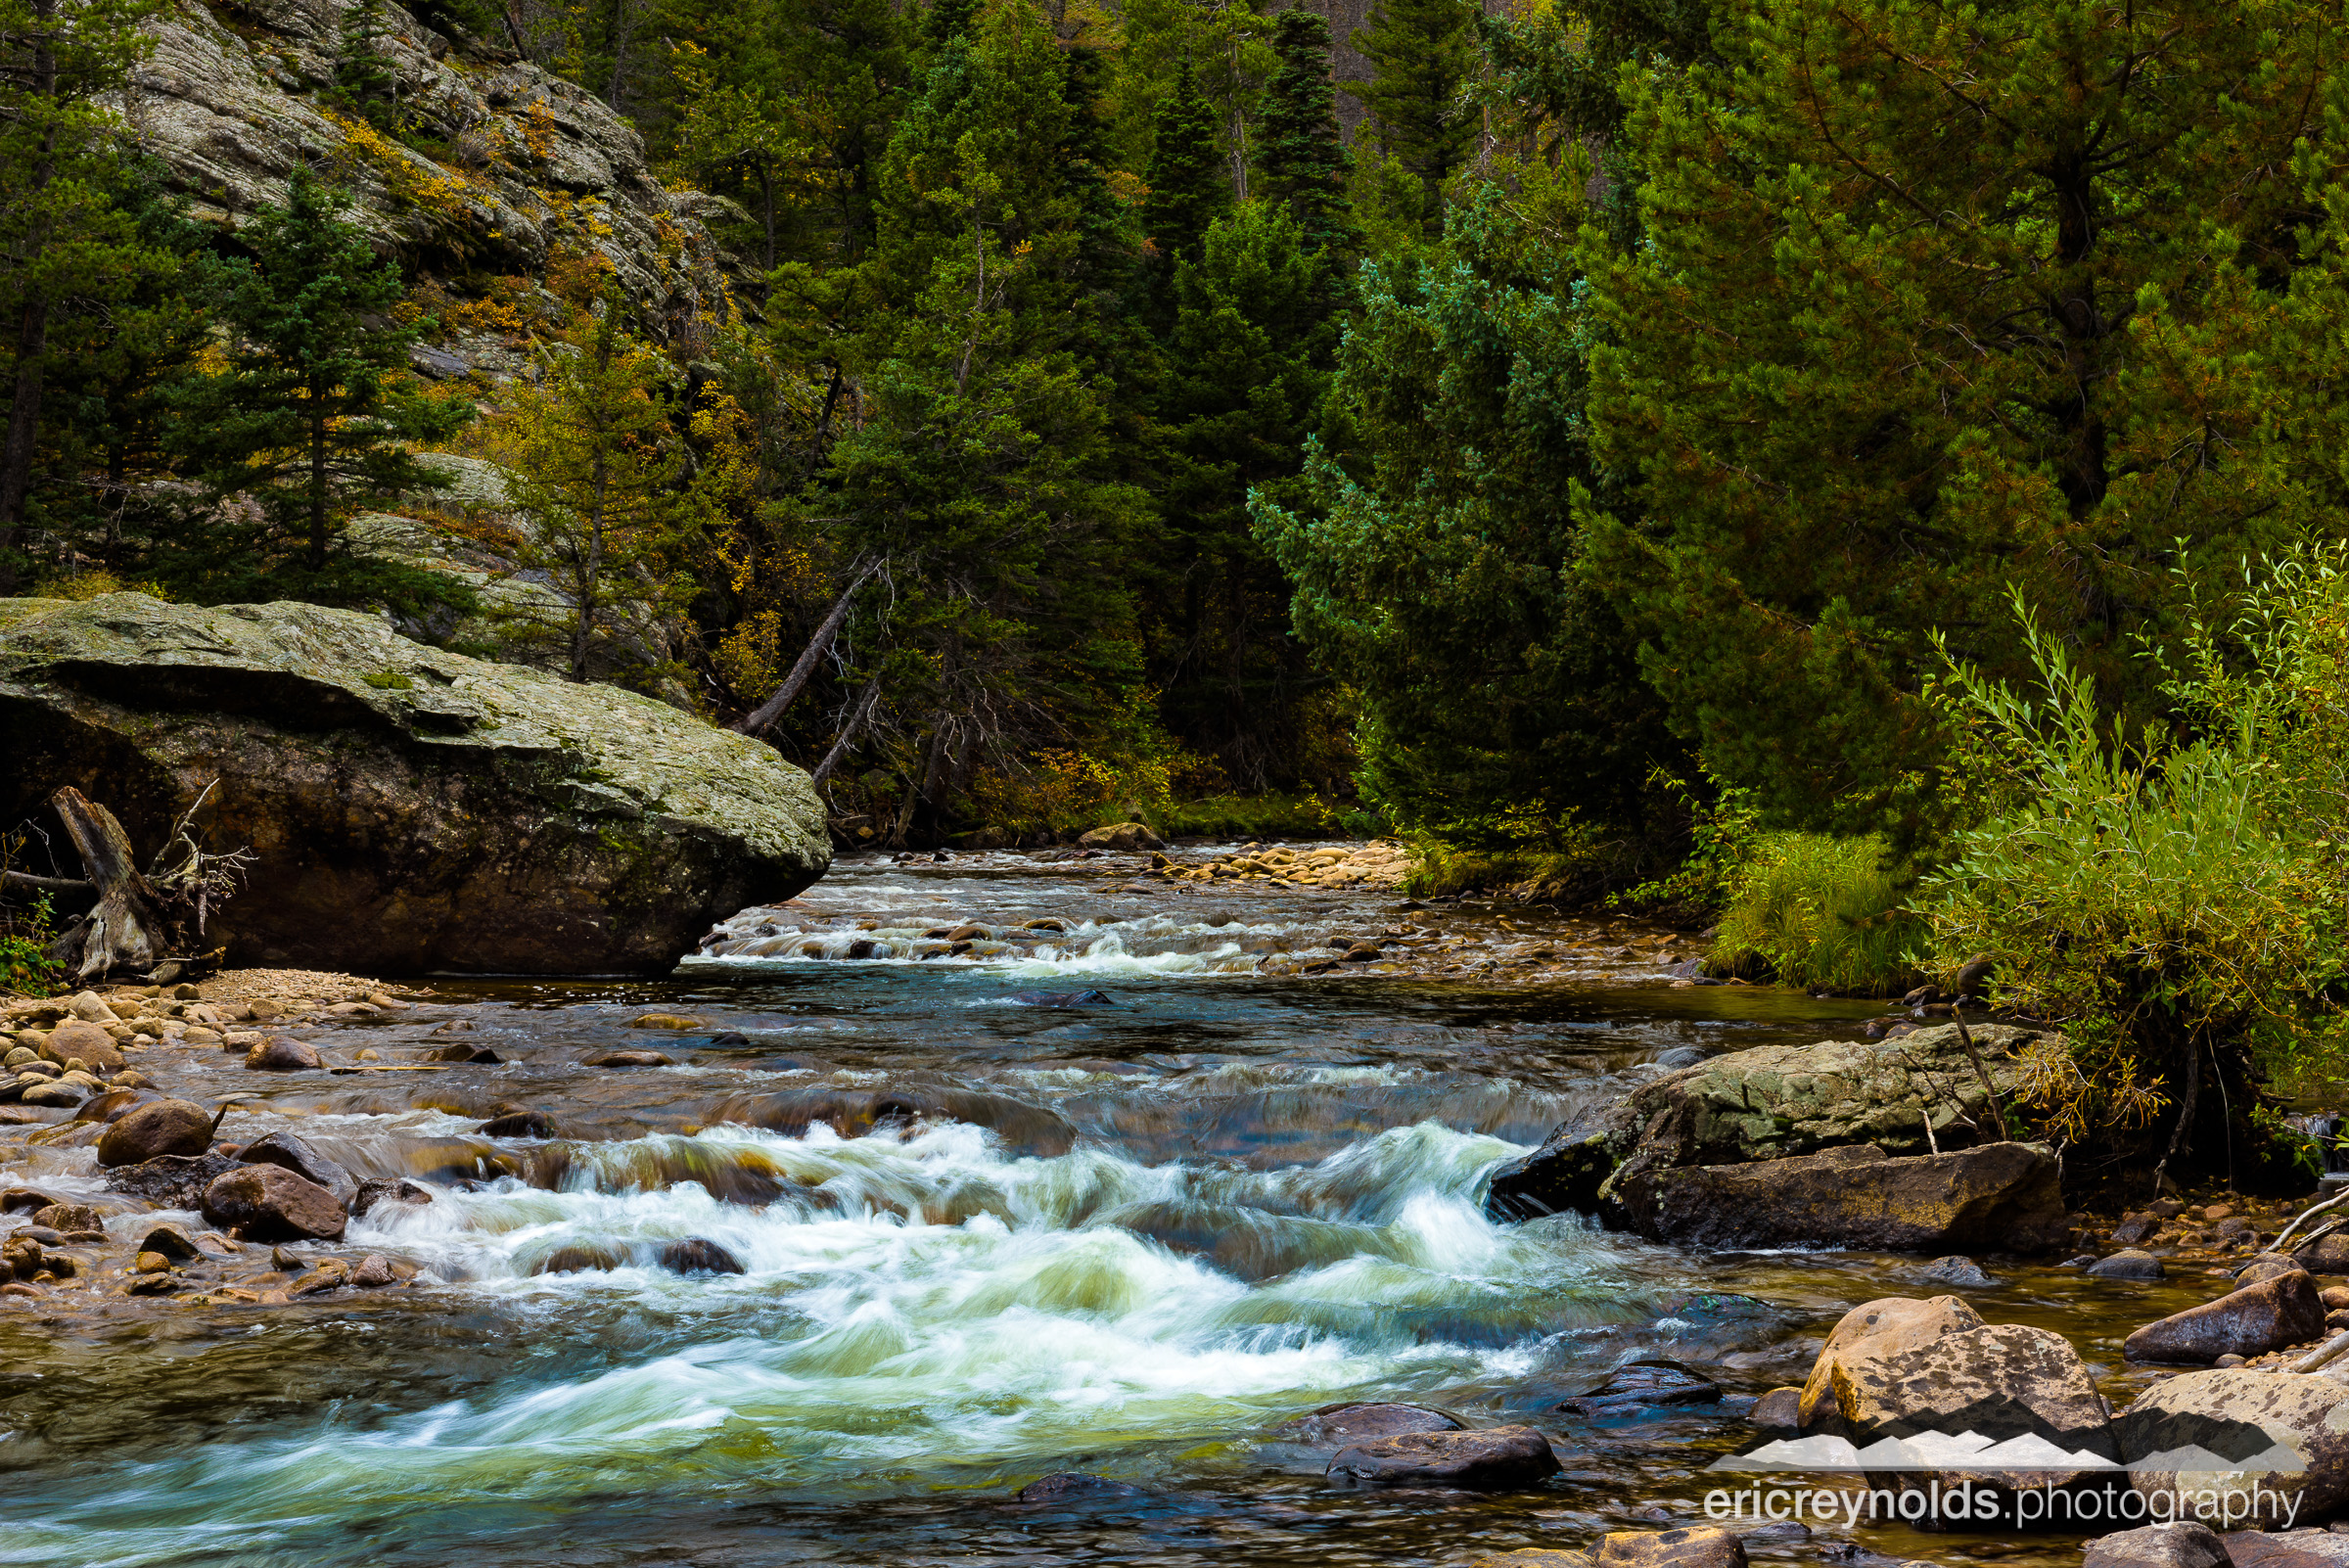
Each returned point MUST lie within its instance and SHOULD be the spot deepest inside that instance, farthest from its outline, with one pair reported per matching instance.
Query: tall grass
(1818, 912)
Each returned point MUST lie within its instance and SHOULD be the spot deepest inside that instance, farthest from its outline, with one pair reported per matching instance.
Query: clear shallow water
(982, 1240)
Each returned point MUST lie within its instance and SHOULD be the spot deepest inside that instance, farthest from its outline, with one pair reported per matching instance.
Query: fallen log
(144, 924)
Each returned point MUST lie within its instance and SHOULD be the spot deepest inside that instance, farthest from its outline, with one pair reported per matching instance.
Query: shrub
(2175, 897)
(25, 939)
(1820, 911)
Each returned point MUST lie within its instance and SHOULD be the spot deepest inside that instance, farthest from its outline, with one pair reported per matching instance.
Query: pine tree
(1301, 163)
(1423, 56)
(1891, 350)
(304, 423)
(611, 495)
(59, 235)
(366, 82)
(1185, 176)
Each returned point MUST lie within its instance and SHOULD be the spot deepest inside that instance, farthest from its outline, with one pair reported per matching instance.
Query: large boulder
(290, 1151)
(2006, 1196)
(2259, 1435)
(155, 1129)
(2267, 1315)
(2001, 1409)
(1769, 1103)
(2178, 1543)
(408, 810)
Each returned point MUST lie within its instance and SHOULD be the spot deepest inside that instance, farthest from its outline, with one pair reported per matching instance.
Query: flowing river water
(984, 1240)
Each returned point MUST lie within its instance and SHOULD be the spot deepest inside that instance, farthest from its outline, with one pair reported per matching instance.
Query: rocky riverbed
(1016, 1207)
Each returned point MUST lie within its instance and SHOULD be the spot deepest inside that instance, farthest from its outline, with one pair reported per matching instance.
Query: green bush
(25, 939)
(1817, 912)
(2174, 898)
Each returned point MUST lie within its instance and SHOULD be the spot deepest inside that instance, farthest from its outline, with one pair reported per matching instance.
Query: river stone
(1697, 1546)
(2267, 1265)
(411, 809)
(2289, 1549)
(1121, 836)
(1561, 1177)
(2180, 1544)
(696, 1254)
(68, 1217)
(53, 1096)
(1876, 1330)
(2328, 1253)
(2269, 1315)
(87, 1043)
(24, 1200)
(388, 1189)
(282, 1053)
(153, 1129)
(582, 1261)
(294, 1153)
(1955, 1270)
(1649, 1383)
(172, 1242)
(2128, 1263)
(373, 1272)
(2003, 1195)
(172, 1180)
(270, 1203)
(630, 1059)
(1336, 1425)
(1777, 1414)
(2196, 1430)
(519, 1125)
(1500, 1457)
(1077, 1486)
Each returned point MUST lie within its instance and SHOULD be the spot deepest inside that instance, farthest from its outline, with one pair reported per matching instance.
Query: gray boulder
(410, 809)
(2255, 1433)
(2180, 1543)
(2003, 1195)
(2264, 1315)
(1500, 1457)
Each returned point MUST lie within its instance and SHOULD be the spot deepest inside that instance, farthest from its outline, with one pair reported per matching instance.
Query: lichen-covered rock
(527, 164)
(2225, 1430)
(2003, 1195)
(2264, 1315)
(1777, 1101)
(410, 810)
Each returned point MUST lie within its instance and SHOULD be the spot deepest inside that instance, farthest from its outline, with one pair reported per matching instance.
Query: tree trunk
(773, 707)
(126, 931)
(866, 702)
(317, 484)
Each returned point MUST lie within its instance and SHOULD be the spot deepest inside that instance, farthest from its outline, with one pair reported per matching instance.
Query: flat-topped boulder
(408, 810)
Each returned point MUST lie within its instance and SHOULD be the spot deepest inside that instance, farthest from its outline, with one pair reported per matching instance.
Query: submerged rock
(1065, 999)
(1698, 1547)
(1078, 1486)
(410, 809)
(1335, 1425)
(1495, 1458)
(697, 1255)
(632, 1059)
(1561, 1177)
(172, 1180)
(2128, 1263)
(1652, 1383)
(2005, 1195)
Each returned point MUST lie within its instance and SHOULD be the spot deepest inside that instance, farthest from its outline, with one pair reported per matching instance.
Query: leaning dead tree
(145, 923)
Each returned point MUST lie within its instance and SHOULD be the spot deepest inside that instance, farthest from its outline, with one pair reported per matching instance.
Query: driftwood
(149, 923)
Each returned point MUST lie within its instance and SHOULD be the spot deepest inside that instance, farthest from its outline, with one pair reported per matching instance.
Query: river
(983, 1239)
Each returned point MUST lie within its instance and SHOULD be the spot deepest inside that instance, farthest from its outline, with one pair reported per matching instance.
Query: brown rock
(2283, 1309)
(1077, 1486)
(374, 1272)
(68, 1217)
(1336, 1425)
(2328, 1253)
(630, 1059)
(2267, 1265)
(1873, 1331)
(1778, 1413)
(1500, 1456)
(269, 1203)
(667, 1020)
(2000, 1195)
(172, 1180)
(332, 1274)
(698, 1256)
(2289, 1549)
(2130, 1264)
(282, 1053)
(2334, 1296)
(88, 1043)
(172, 1242)
(294, 1153)
(1121, 836)
(582, 1261)
(153, 1129)
(2223, 1416)
(149, 1262)
(1699, 1546)
(388, 1189)
(24, 1200)
(116, 1103)
(2180, 1543)
(519, 1125)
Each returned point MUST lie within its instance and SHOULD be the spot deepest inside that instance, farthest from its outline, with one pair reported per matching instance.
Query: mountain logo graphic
(1974, 1452)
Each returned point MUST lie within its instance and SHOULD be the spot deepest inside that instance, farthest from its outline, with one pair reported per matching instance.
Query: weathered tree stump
(144, 924)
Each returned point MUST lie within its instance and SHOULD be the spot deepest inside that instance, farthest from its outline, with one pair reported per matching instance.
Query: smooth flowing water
(983, 1239)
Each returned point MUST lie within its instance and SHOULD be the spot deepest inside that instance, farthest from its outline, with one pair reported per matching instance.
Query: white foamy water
(911, 1308)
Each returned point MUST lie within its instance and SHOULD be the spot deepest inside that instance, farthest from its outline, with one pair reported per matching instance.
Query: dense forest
(1873, 465)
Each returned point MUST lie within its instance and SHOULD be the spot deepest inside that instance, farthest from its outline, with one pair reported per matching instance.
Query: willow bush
(1820, 911)
(2171, 895)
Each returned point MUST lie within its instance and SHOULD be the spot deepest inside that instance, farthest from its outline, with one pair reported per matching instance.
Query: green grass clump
(1814, 910)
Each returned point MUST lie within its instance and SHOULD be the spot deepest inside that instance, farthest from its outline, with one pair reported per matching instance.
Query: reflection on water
(980, 1240)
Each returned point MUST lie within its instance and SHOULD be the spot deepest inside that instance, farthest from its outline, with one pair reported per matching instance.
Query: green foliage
(366, 82)
(1820, 912)
(1299, 162)
(1434, 552)
(1187, 187)
(1887, 344)
(1423, 58)
(306, 421)
(2176, 897)
(24, 965)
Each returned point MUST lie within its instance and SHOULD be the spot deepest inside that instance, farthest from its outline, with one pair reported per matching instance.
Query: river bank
(987, 1232)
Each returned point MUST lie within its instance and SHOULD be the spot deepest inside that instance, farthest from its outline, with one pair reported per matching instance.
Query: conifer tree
(1423, 56)
(1892, 349)
(59, 235)
(1186, 175)
(304, 421)
(1301, 163)
(366, 83)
